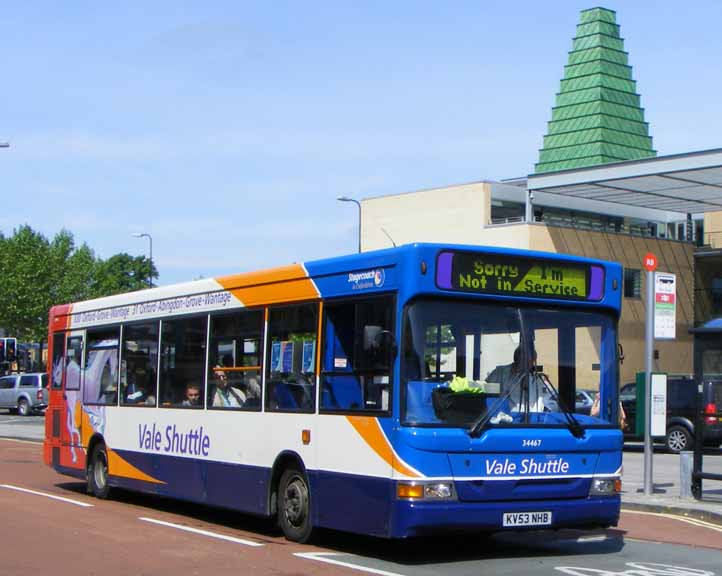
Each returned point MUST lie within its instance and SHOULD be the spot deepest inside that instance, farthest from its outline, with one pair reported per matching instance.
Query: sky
(226, 130)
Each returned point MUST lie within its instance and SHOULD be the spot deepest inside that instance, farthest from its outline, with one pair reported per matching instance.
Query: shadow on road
(439, 549)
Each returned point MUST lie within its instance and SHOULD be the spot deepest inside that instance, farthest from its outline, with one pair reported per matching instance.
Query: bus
(392, 393)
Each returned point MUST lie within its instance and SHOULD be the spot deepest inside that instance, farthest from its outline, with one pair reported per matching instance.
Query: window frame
(89, 332)
(318, 306)
(391, 297)
(260, 353)
(160, 369)
(123, 336)
(634, 281)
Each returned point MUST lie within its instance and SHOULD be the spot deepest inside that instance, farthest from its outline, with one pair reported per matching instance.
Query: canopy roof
(688, 183)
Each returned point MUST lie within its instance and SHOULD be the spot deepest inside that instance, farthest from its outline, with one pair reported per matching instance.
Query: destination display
(519, 276)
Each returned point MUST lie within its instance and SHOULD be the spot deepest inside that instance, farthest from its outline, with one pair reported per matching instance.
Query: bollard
(686, 458)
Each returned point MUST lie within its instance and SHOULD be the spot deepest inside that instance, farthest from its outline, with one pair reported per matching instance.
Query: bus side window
(291, 369)
(236, 345)
(101, 366)
(357, 355)
(58, 355)
(182, 359)
(138, 366)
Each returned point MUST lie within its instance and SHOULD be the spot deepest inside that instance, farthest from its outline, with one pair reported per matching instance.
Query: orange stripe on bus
(370, 430)
(117, 466)
(286, 284)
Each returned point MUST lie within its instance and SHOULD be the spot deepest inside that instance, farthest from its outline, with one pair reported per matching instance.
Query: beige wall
(460, 214)
(713, 229)
(451, 215)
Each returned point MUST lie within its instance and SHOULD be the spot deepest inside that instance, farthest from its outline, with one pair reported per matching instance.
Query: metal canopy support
(529, 214)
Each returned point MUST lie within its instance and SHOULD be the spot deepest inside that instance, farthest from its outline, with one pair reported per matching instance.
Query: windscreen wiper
(480, 424)
(574, 427)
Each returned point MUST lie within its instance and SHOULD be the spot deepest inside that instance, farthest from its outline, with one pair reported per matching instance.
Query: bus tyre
(678, 439)
(98, 472)
(23, 407)
(294, 506)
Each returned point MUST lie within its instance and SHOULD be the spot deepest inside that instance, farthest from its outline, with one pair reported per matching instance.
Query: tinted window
(7, 382)
(73, 352)
(291, 371)
(357, 355)
(632, 283)
(182, 362)
(57, 366)
(101, 366)
(235, 359)
(139, 364)
(29, 381)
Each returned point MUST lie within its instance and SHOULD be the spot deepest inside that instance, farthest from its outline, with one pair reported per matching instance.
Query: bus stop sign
(650, 262)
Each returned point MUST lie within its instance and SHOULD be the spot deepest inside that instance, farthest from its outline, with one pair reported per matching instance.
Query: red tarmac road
(139, 534)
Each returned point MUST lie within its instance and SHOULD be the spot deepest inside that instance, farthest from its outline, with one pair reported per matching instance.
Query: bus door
(72, 406)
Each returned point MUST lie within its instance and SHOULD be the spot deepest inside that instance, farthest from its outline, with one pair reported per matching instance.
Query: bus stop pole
(648, 346)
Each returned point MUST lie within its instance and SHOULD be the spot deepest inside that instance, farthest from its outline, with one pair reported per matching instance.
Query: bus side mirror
(620, 353)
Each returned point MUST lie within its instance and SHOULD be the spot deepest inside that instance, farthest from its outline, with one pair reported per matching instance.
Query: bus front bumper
(416, 518)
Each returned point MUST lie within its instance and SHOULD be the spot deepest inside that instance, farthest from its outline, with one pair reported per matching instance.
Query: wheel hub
(295, 502)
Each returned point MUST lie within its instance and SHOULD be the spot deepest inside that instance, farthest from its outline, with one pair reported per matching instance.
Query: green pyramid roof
(597, 117)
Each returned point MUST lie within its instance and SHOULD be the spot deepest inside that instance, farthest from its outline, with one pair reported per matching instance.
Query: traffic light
(11, 346)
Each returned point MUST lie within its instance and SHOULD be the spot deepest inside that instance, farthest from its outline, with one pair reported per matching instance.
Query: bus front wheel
(294, 506)
(98, 472)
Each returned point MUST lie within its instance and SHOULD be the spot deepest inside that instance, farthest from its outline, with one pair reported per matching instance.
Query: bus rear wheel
(98, 472)
(294, 506)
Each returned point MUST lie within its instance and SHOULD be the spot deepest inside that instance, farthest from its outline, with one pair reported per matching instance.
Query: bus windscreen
(518, 276)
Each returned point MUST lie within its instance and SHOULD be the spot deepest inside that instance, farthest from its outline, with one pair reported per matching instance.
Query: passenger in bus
(511, 376)
(135, 392)
(192, 395)
(223, 395)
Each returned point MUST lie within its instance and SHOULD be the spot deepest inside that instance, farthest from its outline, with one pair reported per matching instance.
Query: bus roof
(330, 277)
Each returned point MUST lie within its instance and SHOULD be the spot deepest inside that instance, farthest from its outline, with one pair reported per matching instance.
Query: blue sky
(227, 129)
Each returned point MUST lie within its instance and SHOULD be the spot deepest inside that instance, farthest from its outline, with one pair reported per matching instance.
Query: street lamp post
(358, 204)
(150, 240)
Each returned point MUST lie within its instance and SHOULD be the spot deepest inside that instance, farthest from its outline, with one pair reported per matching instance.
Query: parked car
(681, 408)
(24, 393)
(583, 401)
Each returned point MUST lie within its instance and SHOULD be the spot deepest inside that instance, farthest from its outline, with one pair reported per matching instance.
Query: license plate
(527, 519)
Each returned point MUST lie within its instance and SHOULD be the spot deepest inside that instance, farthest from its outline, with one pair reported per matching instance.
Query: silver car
(24, 393)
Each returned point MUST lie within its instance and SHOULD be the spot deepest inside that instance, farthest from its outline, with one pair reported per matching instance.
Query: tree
(26, 287)
(36, 274)
(123, 273)
(74, 270)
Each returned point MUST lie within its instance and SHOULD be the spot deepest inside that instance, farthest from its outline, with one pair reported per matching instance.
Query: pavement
(665, 498)
(667, 495)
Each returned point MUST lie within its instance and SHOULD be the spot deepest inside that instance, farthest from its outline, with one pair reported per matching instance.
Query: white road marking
(202, 532)
(324, 557)
(68, 500)
(21, 441)
(693, 521)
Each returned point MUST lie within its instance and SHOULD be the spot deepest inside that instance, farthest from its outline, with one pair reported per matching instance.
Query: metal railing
(591, 225)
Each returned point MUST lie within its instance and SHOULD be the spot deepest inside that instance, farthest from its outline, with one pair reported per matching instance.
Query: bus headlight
(605, 486)
(425, 491)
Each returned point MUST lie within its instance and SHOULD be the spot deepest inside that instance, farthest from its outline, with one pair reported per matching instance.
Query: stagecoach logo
(369, 279)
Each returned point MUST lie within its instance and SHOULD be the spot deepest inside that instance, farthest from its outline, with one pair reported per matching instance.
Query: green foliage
(123, 273)
(36, 273)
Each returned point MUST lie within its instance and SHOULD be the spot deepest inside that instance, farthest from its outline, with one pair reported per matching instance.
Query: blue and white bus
(392, 393)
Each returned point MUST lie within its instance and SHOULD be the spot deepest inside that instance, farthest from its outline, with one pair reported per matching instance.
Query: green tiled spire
(597, 117)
